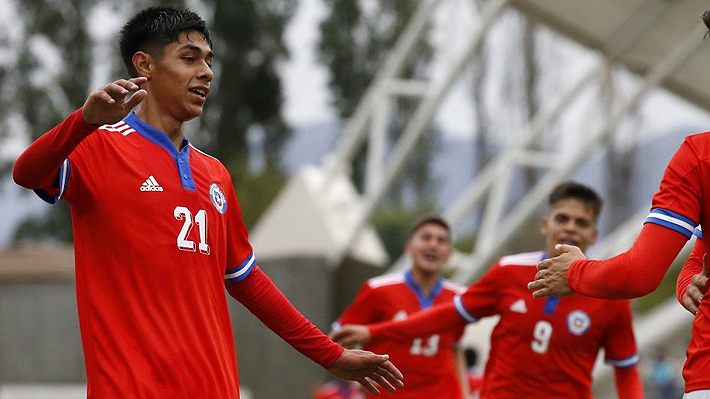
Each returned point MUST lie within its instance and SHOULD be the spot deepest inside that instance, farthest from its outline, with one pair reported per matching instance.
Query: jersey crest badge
(578, 322)
(218, 199)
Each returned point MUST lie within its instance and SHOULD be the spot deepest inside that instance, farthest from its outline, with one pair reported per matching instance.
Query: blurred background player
(150, 284)
(432, 364)
(540, 348)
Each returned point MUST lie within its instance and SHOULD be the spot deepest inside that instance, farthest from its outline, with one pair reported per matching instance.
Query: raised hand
(350, 335)
(696, 289)
(368, 369)
(551, 278)
(111, 103)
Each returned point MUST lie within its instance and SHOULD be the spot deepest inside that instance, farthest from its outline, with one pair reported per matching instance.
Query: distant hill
(453, 166)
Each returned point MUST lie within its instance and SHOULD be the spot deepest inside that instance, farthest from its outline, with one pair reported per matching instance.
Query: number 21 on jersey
(183, 243)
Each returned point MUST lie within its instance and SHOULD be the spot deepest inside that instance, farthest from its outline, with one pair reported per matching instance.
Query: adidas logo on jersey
(519, 306)
(151, 185)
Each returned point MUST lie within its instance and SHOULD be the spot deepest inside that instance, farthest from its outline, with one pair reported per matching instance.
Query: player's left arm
(261, 296)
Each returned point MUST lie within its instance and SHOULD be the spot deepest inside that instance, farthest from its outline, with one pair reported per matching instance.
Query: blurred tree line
(247, 93)
(247, 99)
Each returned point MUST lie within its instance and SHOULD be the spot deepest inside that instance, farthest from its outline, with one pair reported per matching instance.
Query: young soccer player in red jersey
(158, 231)
(679, 206)
(433, 365)
(540, 348)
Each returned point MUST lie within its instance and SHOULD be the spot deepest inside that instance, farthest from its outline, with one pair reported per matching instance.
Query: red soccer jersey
(544, 347)
(156, 233)
(680, 205)
(428, 363)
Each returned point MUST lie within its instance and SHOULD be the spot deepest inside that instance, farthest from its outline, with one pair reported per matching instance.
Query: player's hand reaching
(696, 289)
(551, 278)
(111, 103)
(351, 335)
(368, 369)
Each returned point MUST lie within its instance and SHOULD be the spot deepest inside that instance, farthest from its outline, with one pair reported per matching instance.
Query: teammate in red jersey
(540, 348)
(433, 364)
(158, 232)
(679, 206)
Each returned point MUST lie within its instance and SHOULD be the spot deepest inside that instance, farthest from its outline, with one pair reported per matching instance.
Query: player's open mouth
(568, 242)
(200, 93)
(431, 257)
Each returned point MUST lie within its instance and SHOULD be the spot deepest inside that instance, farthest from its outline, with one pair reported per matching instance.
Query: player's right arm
(693, 277)
(480, 299)
(39, 165)
(637, 272)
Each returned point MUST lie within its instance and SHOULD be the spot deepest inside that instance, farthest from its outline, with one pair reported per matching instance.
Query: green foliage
(256, 191)
(393, 225)
(464, 243)
(355, 41)
(248, 41)
(55, 226)
(248, 37)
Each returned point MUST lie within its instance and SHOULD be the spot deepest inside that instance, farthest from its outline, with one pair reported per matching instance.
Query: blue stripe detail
(424, 301)
(698, 232)
(626, 362)
(242, 271)
(551, 304)
(62, 183)
(672, 220)
(155, 136)
(461, 310)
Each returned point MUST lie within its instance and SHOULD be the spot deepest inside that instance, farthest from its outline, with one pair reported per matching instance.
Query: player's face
(429, 248)
(180, 80)
(569, 221)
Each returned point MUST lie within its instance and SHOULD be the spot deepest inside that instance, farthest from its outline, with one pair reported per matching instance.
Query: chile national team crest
(578, 322)
(218, 199)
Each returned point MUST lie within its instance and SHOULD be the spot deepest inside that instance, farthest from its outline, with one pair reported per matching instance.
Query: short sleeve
(481, 299)
(362, 310)
(619, 342)
(80, 176)
(677, 203)
(240, 255)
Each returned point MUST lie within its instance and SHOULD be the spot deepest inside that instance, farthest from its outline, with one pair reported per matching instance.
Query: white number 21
(182, 213)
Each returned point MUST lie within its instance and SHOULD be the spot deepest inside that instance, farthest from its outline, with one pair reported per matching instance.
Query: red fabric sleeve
(364, 309)
(619, 342)
(482, 298)
(691, 267)
(38, 166)
(436, 319)
(634, 273)
(261, 296)
(628, 383)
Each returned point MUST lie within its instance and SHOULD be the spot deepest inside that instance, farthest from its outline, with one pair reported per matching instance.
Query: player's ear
(595, 236)
(407, 247)
(543, 227)
(143, 62)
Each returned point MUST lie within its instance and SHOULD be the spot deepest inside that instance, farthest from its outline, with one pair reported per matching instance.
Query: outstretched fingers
(388, 376)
